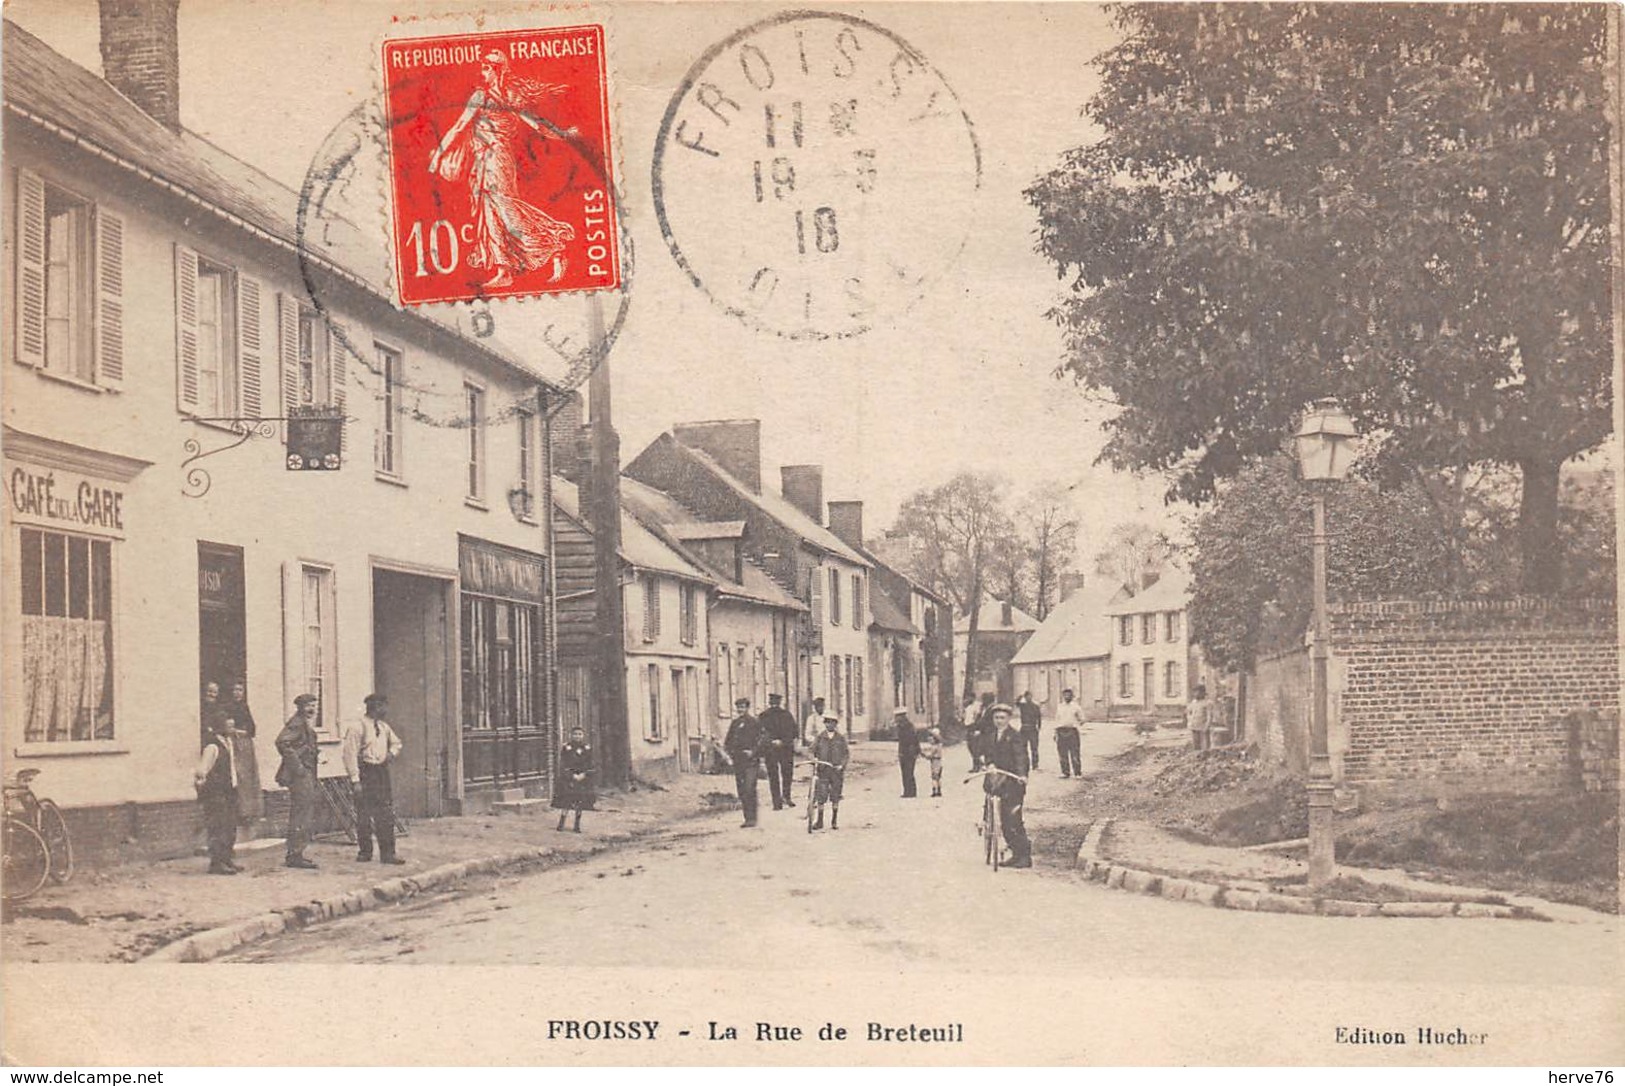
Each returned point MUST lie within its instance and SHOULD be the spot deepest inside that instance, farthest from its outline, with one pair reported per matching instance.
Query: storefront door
(412, 668)
(222, 642)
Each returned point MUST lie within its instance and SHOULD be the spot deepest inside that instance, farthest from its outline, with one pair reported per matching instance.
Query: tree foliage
(1402, 206)
(1134, 556)
(1251, 577)
(1049, 530)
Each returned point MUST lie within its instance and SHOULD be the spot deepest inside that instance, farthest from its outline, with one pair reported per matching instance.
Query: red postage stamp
(501, 178)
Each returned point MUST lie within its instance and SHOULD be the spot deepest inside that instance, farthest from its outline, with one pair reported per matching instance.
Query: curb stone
(1098, 868)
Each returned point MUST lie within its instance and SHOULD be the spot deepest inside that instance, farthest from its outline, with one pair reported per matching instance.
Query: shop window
(499, 664)
(66, 589)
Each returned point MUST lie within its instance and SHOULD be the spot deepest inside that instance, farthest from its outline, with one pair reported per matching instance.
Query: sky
(963, 380)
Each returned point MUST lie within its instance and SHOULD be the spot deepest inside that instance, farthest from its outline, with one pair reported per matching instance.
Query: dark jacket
(777, 723)
(1009, 754)
(832, 748)
(296, 742)
(744, 739)
(238, 712)
(908, 740)
(1032, 717)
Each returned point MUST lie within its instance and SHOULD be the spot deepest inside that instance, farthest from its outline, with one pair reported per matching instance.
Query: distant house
(714, 470)
(1071, 650)
(1001, 630)
(665, 595)
(1152, 657)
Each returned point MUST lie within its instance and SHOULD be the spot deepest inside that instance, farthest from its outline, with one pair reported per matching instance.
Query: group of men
(367, 746)
(981, 731)
(769, 741)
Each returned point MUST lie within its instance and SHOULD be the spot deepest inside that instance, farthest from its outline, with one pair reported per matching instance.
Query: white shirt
(1070, 715)
(368, 740)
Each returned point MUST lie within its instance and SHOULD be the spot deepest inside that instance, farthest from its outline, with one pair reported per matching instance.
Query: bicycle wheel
(54, 829)
(27, 862)
(990, 844)
(812, 793)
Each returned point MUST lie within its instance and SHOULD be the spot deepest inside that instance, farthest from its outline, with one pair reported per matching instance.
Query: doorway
(412, 668)
(222, 638)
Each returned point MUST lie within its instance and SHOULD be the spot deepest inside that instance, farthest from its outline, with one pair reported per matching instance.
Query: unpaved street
(902, 885)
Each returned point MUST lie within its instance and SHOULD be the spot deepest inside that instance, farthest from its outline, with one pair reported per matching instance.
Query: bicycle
(812, 787)
(991, 829)
(37, 844)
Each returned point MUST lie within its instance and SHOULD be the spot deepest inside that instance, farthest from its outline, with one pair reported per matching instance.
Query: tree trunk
(1537, 528)
(970, 643)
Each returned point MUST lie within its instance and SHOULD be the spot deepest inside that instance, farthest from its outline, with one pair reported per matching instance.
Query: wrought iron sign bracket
(197, 478)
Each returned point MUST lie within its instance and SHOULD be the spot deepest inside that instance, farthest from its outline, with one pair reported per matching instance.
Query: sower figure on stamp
(1068, 729)
(369, 745)
(297, 773)
(831, 749)
(779, 733)
(574, 791)
(1009, 754)
(908, 750)
(216, 781)
(744, 746)
(511, 235)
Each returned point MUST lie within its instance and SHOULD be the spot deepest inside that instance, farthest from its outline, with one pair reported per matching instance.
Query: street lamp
(1325, 445)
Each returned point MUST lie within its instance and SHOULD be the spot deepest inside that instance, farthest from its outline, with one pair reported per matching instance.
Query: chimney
(1069, 584)
(803, 487)
(1007, 614)
(568, 434)
(736, 444)
(846, 521)
(141, 55)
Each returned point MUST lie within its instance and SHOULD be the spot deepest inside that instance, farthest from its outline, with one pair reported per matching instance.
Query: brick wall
(140, 48)
(139, 832)
(1438, 695)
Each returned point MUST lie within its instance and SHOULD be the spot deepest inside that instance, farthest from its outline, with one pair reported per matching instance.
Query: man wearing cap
(744, 745)
(813, 726)
(1068, 729)
(297, 773)
(779, 733)
(1009, 754)
(369, 745)
(830, 748)
(908, 749)
(1032, 722)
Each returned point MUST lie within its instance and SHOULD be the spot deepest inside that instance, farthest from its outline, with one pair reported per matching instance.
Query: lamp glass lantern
(1325, 442)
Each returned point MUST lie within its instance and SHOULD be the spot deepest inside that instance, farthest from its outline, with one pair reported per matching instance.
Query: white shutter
(288, 351)
(338, 361)
(109, 300)
(251, 345)
(186, 363)
(30, 269)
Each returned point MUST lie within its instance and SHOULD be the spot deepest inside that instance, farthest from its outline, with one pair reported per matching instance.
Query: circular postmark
(813, 173)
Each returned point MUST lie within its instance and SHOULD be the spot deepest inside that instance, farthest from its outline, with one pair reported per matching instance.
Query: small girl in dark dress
(573, 792)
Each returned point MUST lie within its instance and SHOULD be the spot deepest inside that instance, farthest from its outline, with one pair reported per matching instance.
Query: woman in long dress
(573, 790)
(511, 235)
(250, 797)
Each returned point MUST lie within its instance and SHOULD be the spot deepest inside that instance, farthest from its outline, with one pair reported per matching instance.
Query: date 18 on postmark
(500, 171)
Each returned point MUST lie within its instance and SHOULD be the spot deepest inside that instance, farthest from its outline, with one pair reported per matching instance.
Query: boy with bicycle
(1008, 782)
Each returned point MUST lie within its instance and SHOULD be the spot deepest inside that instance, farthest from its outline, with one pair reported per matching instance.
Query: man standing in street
(1032, 722)
(814, 724)
(979, 736)
(1068, 729)
(1199, 718)
(297, 773)
(830, 748)
(216, 781)
(908, 749)
(744, 746)
(1010, 785)
(369, 745)
(779, 732)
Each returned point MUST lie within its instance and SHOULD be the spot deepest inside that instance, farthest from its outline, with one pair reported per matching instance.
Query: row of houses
(170, 319)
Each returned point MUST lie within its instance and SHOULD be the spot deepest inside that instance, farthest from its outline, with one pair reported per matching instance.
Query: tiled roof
(885, 615)
(640, 546)
(1078, 629)
(992, 619)
(1171, 593)
(46, 89)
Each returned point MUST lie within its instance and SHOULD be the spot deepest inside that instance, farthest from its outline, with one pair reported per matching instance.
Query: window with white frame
(68, 290)
(651, 607)
(527, 458)
(1125, 680)
(651, 682)
(315, 359)
(66, 592)
(217, 373)
(69, 316)
(387, 457)
(1170, 679)
(688, 618)
(1125, 629)
(1148, 628)
(474, 418)
(320, 642)
(1170, 626)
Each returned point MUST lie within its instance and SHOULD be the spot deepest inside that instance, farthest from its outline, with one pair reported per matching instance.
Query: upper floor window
(387, 455)
(688, 615)
(1170, 626)
(834, 597)
(217, 372)
(651, 608)
(70, 284)
(474, 414)
(1125, 629)
(857, 601)
(312, 351)
(527, 457)
(1148, 628)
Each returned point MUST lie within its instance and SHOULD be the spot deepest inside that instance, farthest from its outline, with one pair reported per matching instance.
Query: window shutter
(251, 344)
(288, 351)
(109, 300)
(30, 269)
(186, 375)
(815, 596)
(337, 359)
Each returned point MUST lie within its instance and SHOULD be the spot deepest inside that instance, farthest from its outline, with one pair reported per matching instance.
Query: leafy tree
(1402, 206)
(955, 538)
(1252, 574)
(1134, 556)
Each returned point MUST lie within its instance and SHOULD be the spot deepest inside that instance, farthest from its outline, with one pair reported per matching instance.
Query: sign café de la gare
(54, 498)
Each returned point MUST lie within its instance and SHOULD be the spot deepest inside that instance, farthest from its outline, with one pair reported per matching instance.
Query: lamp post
(1325, 446)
